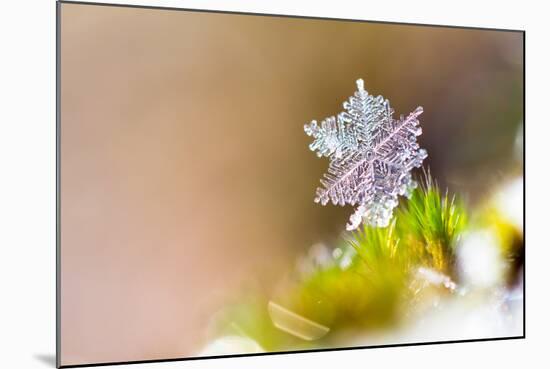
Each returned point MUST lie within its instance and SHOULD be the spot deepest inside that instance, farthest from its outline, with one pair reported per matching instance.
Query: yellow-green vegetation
(366, 292)
(368, 284)
(430, 224)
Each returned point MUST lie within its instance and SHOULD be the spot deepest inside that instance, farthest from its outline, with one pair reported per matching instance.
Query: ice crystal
(371, 156)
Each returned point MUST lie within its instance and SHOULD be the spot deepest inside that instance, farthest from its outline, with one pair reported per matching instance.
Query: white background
(27, 183)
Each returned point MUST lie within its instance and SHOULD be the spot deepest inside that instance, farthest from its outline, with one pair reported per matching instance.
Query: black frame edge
(292, 352)
(58, 184)
(152, 7)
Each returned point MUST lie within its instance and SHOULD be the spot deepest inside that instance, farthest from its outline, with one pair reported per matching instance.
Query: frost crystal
(371, 156)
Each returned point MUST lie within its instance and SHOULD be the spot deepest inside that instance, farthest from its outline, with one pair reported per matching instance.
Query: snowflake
(371, 156)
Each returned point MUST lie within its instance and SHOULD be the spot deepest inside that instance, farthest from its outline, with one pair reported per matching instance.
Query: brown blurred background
(185, 173)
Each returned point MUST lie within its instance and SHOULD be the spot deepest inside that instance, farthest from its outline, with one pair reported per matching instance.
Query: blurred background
(185, 173)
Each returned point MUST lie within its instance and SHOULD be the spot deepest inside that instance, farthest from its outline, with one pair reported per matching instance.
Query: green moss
(430, 223)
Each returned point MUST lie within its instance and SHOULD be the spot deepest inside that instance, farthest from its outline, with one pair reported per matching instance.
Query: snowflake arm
(333, 137)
